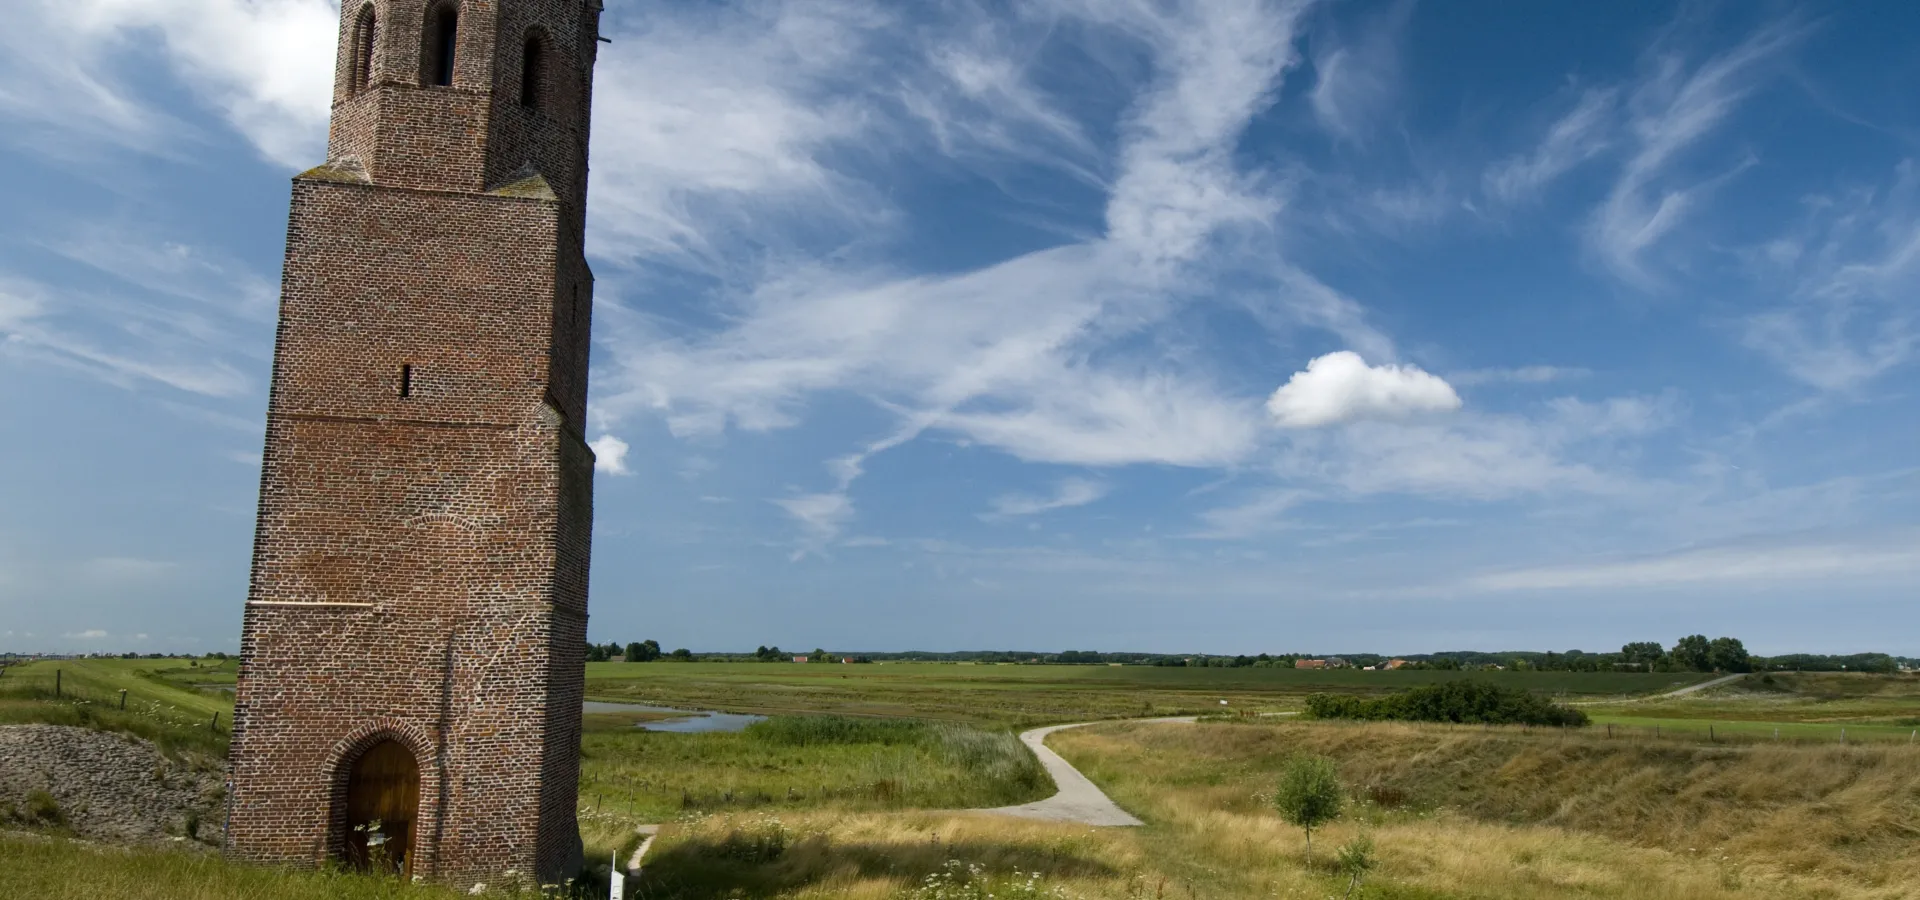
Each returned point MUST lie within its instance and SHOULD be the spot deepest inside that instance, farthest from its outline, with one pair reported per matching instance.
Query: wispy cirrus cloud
(159, 312)
(1009, 355)
(1356, 77)
(1761, 563)
(1068, 493)
(263, 66)
(1582, 133)
(1670, 110)
(1853, 266)
(1517, 375)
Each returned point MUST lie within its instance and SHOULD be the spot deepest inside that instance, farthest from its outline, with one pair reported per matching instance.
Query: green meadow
(1022, 695)
(859, 785)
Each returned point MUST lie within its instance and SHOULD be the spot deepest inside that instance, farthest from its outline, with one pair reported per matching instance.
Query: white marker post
(616, 879)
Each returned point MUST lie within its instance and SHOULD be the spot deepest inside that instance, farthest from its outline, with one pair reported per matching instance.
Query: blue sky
(1224, 326)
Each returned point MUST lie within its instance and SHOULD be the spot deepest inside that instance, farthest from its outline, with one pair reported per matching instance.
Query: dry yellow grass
(1478, 813)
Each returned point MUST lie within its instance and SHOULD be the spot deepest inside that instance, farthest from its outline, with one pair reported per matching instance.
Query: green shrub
(43, 810)
(1466, 702)
(762, 840)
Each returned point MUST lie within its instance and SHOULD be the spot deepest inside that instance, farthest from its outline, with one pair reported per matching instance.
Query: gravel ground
(110, 787)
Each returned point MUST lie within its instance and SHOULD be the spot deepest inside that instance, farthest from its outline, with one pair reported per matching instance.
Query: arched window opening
(533, 73)
(443, 27)
(363, 46)
(383, 799)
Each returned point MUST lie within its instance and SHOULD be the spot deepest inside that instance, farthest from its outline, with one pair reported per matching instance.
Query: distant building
(799, 659)
(1309, 663)
(1335, 662)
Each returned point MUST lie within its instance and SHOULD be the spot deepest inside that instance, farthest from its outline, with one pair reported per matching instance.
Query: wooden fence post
(123, 698)
(215, 724)
(56, 682)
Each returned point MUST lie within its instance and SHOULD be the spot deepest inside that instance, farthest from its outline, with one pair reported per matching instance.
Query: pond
(689, 721)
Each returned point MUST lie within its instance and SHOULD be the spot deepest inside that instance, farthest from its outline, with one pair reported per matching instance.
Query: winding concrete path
(1080, 800)
(1725, 679)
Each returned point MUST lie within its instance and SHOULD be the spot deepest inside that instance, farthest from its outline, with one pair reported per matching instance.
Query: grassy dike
(1462, 811)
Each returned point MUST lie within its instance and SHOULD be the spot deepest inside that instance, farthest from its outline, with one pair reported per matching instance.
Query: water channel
(689, 721)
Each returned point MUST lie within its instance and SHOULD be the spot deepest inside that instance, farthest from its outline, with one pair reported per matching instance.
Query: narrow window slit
(406, 382)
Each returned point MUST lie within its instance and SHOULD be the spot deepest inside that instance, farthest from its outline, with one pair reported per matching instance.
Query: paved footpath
(1078, 800)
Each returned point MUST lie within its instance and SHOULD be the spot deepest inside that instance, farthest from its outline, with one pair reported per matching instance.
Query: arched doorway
(383, 797)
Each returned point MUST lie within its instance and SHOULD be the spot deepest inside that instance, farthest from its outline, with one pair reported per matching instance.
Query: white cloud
(609, 455)
(1852, 269)
(265, 66)
(1018, 355)
(91, 634)
(821, 517)
(1758, 564)
(1565, 447)
(1672, 109)
(1341, 387)
(1355, 80)
(1069, 492)
(1519, 375)
(1574, 138)
(1249, 517)
(138, 329)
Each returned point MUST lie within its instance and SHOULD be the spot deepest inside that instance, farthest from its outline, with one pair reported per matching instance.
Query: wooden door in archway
(383, 798)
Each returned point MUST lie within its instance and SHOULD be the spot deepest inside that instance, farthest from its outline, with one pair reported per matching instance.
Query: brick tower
(412, 650)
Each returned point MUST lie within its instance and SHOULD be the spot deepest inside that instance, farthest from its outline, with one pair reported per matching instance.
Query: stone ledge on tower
(346, 170)
(526, 183)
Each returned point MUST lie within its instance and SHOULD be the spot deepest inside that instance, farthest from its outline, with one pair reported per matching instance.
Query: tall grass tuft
(814, 731)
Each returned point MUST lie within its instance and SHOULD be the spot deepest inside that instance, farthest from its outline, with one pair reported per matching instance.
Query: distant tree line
(1693, 653)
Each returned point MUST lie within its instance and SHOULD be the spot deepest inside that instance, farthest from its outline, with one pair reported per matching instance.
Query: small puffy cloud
(1341, 387)
(609, 455)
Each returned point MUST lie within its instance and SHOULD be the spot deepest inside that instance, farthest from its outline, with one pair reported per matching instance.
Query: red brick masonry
(426, 495)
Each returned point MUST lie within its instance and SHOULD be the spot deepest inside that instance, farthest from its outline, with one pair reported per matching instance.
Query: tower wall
(421, 554)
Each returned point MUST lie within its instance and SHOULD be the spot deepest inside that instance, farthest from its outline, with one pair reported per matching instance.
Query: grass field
(1455, 812)
(1035, 695)
(1822, 707)
(804, 763)
(164, 700)
(48, 869)
(811, 808)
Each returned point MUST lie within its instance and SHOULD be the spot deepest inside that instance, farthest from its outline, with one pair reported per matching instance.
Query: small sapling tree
(1355, 859)
(1310, 794)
